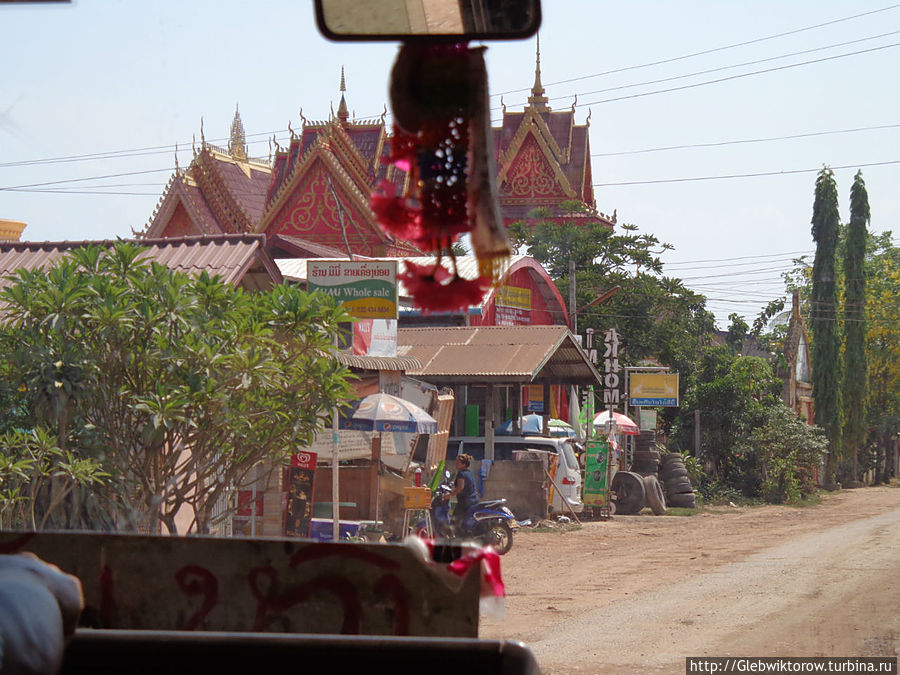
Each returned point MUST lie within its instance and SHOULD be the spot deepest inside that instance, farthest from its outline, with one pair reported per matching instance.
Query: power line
(710, 51)
(760, 174)
(717, 144)
(707, 71)
(742, 75)
(132, 152)
(79, 180)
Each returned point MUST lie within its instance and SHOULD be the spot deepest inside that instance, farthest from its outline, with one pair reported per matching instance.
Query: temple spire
(343, 114)
(237, 143)
(537, 98)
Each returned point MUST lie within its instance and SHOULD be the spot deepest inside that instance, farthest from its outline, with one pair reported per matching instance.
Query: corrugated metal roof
(404, 363)
(239, 259)
(498, 354)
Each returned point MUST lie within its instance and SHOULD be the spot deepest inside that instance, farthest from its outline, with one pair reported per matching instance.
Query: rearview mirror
(456, 20)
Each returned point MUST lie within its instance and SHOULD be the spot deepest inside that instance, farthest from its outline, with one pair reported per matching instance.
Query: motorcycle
(489, 522)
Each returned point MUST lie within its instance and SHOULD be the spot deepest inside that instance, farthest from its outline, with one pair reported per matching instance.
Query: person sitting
(463, 489)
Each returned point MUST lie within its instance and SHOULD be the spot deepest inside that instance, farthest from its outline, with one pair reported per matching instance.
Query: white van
(568, 473)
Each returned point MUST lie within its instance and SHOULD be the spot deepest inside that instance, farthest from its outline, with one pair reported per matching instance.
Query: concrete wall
(523, 484)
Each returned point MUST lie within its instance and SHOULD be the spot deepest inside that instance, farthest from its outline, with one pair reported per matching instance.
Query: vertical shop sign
(299, 480)
(611, 369)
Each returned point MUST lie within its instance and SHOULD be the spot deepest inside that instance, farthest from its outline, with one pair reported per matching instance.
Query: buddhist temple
(312, 197)
(544, 160)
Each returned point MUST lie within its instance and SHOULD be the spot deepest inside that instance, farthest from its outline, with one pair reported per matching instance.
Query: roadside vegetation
(752, 447)
(131, 391)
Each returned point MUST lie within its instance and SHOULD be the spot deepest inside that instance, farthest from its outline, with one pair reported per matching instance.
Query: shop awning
(498, 354)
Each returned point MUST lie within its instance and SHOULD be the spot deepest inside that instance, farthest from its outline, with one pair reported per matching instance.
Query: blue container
(321, 529)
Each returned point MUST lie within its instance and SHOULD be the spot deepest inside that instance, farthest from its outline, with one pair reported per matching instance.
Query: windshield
(696, 188)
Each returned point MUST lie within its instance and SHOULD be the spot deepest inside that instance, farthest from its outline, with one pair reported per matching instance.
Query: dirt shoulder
(554, 579)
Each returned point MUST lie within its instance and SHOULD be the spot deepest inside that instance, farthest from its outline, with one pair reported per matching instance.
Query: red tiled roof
(250, 193)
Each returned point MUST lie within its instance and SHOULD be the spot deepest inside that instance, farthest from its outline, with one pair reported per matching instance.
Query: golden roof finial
(176, 158)
(237, 143)
(343, 114)
(202, 136)
(575, 102)
(503, 105)
(537, 98)
(302, 118)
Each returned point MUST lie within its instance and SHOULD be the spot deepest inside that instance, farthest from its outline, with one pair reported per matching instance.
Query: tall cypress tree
(826, 345)
(855, 380)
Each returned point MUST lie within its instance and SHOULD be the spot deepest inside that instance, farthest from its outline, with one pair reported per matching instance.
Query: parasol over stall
(623, 423)
(382, 412)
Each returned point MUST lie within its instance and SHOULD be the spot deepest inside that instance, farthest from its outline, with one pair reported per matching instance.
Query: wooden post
(375, 482)
(545, 427)
(517, 410)
(489, 405)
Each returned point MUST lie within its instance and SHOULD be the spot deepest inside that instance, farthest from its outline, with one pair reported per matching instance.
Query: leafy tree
(786, 449)
(37, 477)
(732, 393)
(826, 345)
(854, 392)
(737, 331)
(657, 316)
(882, 350)
(178, 386)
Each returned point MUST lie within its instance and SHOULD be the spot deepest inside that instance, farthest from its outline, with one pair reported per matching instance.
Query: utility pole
(573, 314)
(696, 433)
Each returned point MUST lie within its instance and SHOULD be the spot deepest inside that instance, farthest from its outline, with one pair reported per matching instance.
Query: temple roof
(220, 193)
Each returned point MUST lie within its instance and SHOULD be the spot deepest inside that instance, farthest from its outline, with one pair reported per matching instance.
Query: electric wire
(673, 78)
(711, 50)
(758, 174)
(718, 144)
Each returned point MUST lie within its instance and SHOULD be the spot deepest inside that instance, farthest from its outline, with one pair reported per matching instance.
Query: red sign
(304, 460)
(245, 504)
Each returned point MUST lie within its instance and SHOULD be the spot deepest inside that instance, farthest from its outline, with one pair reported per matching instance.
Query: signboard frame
(658, 388)
(366, 289)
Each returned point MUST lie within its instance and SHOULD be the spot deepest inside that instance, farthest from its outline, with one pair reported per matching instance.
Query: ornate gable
(532, 176)
(544, 159)
(307, 207)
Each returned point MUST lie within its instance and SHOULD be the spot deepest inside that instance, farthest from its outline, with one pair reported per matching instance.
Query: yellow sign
(513, 296)
(653, 389)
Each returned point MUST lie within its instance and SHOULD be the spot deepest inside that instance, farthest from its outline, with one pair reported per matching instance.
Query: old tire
(654, 494)
(499, 535)
(678, 485)
(629, 489)
(687, 500)
(674, 472)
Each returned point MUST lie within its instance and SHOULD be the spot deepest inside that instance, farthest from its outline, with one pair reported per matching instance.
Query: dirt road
(640, 593)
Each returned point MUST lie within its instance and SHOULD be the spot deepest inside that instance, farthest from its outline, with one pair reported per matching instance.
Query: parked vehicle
(489, 522)
(568, 472)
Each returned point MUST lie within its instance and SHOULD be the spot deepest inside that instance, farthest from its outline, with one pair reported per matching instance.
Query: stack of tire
(634, 491)
(646, 457)
(677, 483)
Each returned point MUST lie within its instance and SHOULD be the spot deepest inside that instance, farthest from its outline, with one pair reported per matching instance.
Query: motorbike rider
(463, 489)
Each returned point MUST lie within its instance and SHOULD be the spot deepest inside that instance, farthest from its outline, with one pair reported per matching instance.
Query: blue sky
(108, 76)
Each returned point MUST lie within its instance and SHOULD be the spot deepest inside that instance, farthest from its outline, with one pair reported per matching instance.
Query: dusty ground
(639, 593)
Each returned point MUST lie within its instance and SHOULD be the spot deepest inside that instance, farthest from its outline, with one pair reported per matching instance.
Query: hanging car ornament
(442, 141)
